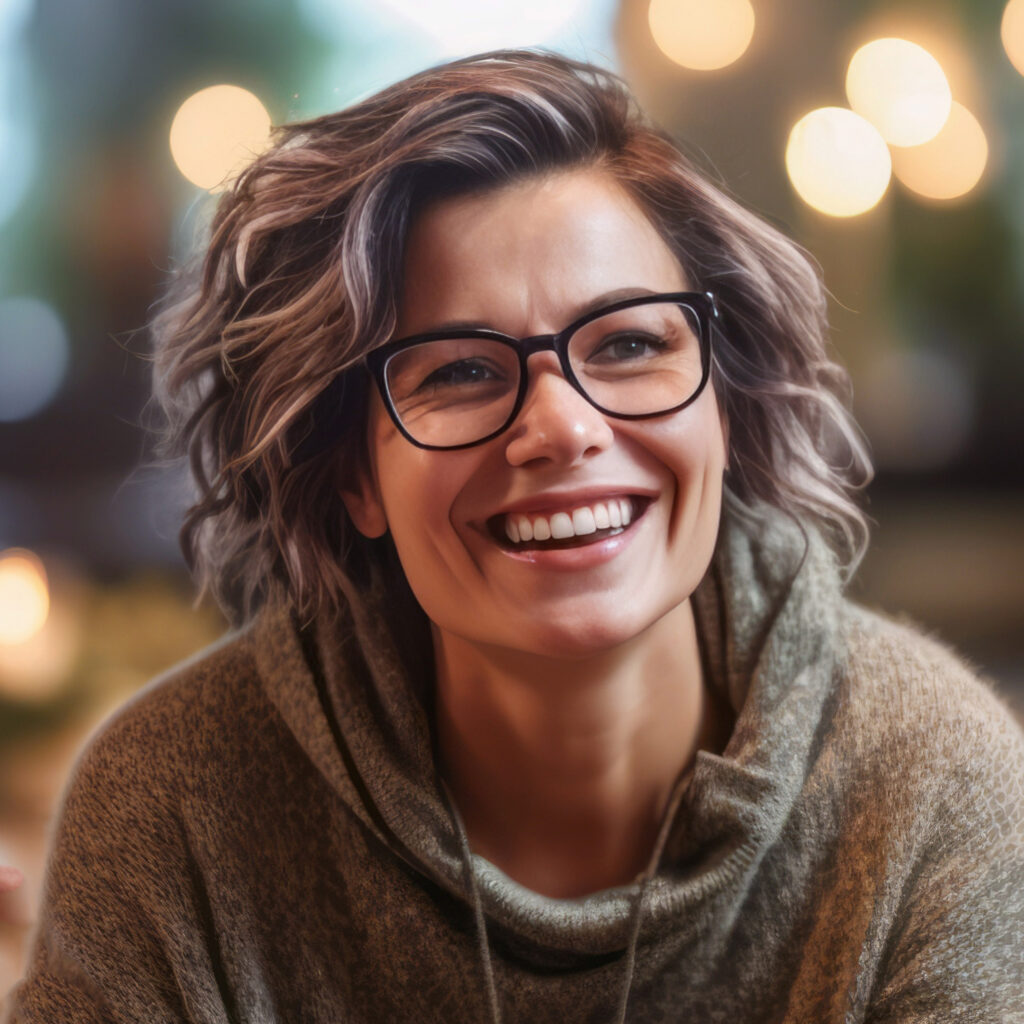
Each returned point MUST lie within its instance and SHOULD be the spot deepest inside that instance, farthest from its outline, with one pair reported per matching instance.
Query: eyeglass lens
(641, 360)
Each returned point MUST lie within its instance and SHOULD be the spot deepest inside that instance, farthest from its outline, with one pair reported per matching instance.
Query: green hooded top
(261, 836)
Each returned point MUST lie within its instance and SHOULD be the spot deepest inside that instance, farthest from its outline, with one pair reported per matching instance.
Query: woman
(522, 470)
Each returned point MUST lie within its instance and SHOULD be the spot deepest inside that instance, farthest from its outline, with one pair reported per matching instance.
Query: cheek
(691, 445)
(708, 436)
(418, 491)
(692, 442)
(400, 471)
(413, 498)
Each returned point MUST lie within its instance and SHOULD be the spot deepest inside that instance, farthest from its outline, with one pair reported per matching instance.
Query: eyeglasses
(632, 360)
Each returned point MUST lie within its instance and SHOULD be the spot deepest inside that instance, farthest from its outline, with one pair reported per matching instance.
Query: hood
(766, 612)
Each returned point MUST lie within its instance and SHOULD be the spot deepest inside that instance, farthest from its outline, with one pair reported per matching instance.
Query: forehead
(529, 255)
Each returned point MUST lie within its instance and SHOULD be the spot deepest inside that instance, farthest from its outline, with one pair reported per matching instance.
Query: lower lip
(585, 556)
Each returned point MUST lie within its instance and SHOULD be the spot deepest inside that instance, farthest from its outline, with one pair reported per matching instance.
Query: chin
(577, 638)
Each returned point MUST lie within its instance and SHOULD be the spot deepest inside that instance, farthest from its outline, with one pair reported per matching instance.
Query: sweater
(261, 836)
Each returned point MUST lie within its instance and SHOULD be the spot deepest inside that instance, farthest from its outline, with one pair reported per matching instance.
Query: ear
(364, 505)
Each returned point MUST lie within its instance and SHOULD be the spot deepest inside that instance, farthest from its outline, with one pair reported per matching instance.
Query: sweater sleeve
(124, 932)
(956, 950)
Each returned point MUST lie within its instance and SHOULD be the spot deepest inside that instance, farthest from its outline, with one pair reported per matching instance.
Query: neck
(562, 769)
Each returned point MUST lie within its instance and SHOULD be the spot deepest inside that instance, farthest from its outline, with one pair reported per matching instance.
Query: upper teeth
(580, 521)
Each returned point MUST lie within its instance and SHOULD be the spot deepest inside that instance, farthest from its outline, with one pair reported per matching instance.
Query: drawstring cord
(648, 876)
(638, 909)
(483, 945)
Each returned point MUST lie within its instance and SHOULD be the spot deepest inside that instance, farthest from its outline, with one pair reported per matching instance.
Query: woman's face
(526, 260)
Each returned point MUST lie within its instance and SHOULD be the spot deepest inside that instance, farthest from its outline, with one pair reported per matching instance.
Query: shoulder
(174, 723)
(218, 682)
(135, 835)
(934, 765)
(916, 674)
(920, 708)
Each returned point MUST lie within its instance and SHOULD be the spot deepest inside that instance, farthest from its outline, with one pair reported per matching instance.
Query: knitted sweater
(261, 836)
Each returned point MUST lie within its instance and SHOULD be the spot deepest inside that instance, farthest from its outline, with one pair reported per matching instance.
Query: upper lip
(559, 501)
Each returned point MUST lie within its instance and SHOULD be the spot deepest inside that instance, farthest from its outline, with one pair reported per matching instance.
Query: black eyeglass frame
(702, 303)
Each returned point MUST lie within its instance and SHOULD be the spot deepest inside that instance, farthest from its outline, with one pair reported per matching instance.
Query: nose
(556, 423)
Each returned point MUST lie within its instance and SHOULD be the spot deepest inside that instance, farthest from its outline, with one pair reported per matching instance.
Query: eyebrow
(590, 306)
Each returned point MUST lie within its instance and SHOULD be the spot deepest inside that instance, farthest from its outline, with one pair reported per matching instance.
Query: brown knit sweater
(261, 837)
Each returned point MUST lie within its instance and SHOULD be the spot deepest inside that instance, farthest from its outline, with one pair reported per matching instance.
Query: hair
(300, 279)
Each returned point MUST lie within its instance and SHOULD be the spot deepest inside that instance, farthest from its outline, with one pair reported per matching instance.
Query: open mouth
(575, 527)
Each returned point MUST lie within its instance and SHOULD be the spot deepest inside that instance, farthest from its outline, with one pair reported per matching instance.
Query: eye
(627, 346)
(462, 373)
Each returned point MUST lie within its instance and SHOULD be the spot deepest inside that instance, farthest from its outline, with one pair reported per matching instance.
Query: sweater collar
(767, 614)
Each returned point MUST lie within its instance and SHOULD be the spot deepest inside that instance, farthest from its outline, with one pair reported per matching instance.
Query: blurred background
(886, 137)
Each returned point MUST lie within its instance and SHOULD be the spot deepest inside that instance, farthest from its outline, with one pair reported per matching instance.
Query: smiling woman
(527, 480)
(558, 459)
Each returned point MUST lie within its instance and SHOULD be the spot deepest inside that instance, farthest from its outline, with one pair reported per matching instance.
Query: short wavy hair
(300, 279)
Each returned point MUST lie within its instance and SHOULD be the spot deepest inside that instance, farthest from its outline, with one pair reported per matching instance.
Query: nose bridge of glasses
(553, 408)
(538, 343)
(554, 371)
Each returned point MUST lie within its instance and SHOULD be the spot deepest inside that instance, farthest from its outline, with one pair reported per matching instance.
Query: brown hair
(300, 277)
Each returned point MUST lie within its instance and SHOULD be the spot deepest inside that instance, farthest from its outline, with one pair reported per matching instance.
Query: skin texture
(11, 879)
(570, 689)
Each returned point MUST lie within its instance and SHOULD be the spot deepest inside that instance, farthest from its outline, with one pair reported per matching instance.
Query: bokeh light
(17, 138)
(837, 162)
(33, 357)
(948, 166)
(397, 38)
(901, 89)
(467, 26)
(701, 35)
(14, 14)
(216, 133)
(38, 662)
(17, 161)
(24, 596)
(1012, 31)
